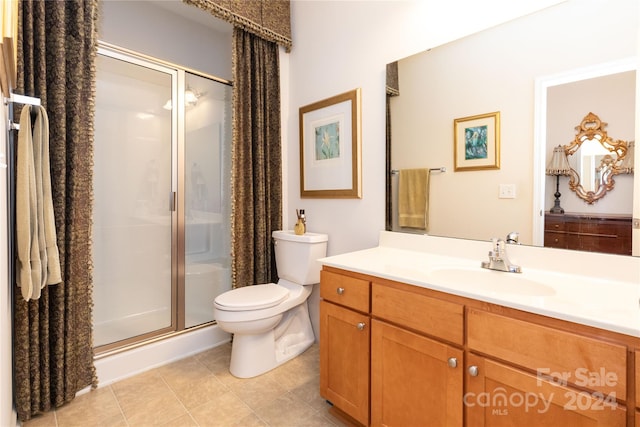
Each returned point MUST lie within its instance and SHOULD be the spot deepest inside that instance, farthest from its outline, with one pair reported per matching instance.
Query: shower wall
(207, 197)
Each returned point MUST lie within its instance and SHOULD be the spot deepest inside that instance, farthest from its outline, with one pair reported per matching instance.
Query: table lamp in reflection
(627, 163)
(559, 165)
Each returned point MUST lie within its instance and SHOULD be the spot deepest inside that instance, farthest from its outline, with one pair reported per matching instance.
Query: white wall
(342, 45)
(152, 28)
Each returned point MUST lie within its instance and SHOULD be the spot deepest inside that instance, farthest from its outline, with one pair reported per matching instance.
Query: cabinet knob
(340, 291)
(361, 326)
(473, 370)
(453, 362)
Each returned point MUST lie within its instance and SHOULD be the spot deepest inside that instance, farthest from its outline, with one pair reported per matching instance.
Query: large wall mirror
(543, 73)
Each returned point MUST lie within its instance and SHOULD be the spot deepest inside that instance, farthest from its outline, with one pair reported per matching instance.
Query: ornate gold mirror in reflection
(595, 158)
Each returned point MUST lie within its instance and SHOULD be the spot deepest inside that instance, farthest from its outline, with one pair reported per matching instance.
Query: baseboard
(135, 361)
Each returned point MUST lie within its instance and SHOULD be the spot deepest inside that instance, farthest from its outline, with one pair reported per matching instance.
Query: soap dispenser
(301, 227)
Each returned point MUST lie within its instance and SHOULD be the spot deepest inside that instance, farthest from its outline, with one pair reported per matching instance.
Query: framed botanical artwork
(330, 161)
(476, 142)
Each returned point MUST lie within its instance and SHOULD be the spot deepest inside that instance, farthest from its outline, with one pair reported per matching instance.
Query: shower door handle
(172, 201)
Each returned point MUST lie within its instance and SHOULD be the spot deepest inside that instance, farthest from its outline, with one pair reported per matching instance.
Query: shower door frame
(177, 197)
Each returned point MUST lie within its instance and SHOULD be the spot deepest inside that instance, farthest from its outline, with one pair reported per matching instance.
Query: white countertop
(595, 300)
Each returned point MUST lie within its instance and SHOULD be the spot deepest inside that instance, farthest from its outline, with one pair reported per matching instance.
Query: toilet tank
(297, 256)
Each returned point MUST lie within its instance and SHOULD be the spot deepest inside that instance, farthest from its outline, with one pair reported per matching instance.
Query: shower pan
(161, 198)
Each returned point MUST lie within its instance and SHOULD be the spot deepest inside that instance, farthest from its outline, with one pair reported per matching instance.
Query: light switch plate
(507, 191)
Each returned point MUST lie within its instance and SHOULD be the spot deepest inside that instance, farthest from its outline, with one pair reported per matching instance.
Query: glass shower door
(207, 247)
(132, 237)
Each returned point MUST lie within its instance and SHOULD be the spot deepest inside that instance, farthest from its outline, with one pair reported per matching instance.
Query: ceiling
(194, 14)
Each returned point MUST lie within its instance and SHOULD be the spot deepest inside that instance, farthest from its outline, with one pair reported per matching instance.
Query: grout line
(247, 405)
(113, 392)
(179, 400)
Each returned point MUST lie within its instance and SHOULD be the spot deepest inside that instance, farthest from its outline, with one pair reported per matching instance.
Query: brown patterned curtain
(256, 180)
(53, 349)
(269, 19)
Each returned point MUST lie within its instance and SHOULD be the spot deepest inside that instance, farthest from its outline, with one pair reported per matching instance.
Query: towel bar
(441, 169)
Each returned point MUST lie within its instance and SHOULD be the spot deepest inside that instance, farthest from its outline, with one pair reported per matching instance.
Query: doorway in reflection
(598, 197)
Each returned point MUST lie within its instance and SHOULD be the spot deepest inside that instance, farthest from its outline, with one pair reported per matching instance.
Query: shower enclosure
(161, 198)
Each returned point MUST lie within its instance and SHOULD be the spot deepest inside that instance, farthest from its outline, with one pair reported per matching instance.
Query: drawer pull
(340, 291)
(452, 362)
(473, 370)
(361, 326)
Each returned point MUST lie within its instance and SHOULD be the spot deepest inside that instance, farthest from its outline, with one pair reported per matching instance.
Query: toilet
(270, 322)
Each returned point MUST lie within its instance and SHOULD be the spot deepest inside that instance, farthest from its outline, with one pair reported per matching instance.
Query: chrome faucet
(498, 259)
(512, 238)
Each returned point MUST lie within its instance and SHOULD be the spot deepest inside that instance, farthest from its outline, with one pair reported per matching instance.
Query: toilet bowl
(270, 322)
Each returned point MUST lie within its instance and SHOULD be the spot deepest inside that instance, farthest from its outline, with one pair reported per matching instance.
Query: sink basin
(490, 280)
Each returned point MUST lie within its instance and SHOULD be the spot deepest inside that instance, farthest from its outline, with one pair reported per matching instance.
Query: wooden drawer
(615, 227)
(553, 223)
(344, 290)
(555, 240)
(605, 243)
(432, 316)
(581, 361)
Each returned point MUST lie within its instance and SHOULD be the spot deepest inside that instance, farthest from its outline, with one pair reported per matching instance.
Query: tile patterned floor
(200, 391)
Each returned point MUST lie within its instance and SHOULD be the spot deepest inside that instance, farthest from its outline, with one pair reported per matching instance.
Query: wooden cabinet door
(412, 381)
(344, 360)
(637, 376)
(498, 395)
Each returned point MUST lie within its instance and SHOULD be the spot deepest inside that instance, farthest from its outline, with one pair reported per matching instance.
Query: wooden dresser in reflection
(588, 232)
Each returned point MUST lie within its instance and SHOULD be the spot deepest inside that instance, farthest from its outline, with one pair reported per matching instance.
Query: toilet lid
(252, 297)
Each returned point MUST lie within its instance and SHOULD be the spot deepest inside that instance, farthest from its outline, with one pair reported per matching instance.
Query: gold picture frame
(476, 142)
(330, 159)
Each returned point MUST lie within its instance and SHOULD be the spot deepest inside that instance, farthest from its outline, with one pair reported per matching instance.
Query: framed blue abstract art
(476, 142)
(330, 147)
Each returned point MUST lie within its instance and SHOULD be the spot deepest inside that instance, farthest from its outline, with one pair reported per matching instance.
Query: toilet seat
(254, 297)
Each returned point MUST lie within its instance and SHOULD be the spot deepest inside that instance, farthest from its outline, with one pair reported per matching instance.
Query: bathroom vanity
(413, 332)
